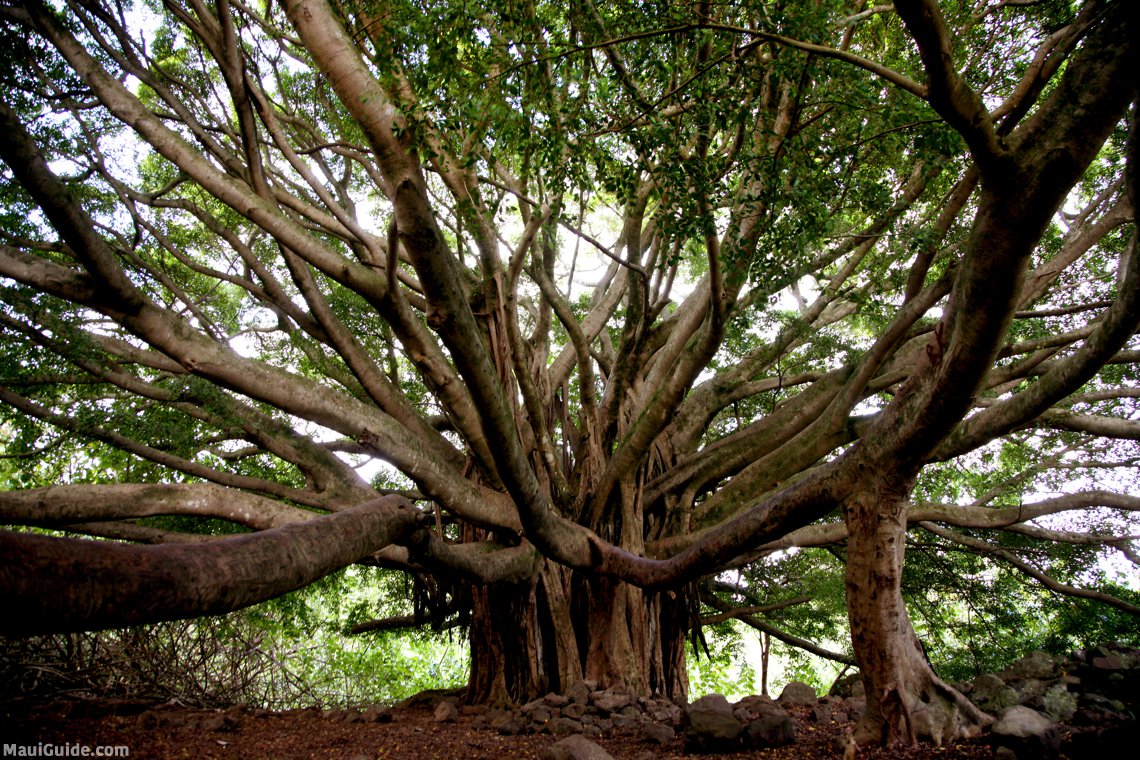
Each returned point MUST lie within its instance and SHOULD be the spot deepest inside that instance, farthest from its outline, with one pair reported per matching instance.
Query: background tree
(623, 297)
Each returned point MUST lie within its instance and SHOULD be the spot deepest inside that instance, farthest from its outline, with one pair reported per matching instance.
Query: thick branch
(52, 585)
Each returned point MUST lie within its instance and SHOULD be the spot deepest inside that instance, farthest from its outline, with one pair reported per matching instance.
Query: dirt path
(410, 734)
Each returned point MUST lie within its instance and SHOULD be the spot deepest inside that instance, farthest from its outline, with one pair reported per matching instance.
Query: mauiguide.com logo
(64, 750)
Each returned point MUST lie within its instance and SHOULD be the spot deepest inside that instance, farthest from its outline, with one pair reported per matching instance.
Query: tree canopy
(567, 309)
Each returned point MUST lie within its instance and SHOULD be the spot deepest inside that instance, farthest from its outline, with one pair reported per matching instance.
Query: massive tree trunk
(906, 701)
(532, 639)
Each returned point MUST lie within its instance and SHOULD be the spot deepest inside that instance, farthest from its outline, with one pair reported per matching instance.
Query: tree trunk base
(926, 709)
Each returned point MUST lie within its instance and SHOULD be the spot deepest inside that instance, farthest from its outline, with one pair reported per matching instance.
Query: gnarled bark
(51, 585)
(906, 701)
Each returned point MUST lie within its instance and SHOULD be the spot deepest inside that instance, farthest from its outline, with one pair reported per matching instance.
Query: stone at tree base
(572, 710)
(565, 726)
(797, 694)
(612, 701)
(711, 702)
(710, 725)
(1027, 732)
(446, 712)
(556, 700)
(658, 733)
(759, 704)
(575, 747)
(1036, 665)
(992, 694)
(769, 730)
(579, 693)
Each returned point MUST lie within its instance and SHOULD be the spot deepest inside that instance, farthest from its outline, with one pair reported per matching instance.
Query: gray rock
(1033, 665)
(711, 702)
(1020, 721)
(758, 704)
(555, 700)
(992, 694)
(1060, 704)
(446, 712)
(579, 693)
(576, 747)
(669, 713)
(565, 726)
(657, 733)
(797, 693)
(612, 701)
(1027, 732)
(574, 710)
(821, 713)
(513, 725)
(770, 730)
(711, 729)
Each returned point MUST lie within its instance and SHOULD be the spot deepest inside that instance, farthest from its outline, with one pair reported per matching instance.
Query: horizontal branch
(776, 633)
(61, 505)
(1049, 582)
(55, 585)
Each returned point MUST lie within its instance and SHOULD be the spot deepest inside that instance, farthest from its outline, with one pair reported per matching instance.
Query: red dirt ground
(412, 734)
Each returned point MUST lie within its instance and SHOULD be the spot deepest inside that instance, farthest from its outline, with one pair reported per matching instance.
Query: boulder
(1027, 732)
(657, 733)
(565, 726)
(710, 725)
(759, 704)
(576, 747)
(771, 730)
(797, 693)
(1059, 703)
(991, 693)
(556, 700)
(578, 693)
(611, 701)
(711, 702)
(446, 712)
(1036, 665)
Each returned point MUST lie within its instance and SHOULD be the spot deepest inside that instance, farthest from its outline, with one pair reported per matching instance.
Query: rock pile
(1042, 705)
(709, 724)
(586, 710)
(1093, 694)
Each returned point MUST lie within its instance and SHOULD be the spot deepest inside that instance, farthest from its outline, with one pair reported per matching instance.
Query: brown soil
(412, 734)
